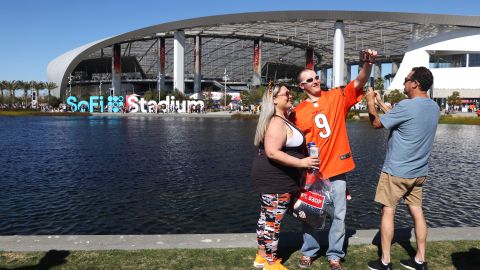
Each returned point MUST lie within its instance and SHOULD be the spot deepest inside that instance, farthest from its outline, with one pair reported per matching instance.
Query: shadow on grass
(51, 258)
(401, 236)
(466, 260)
(290, 242)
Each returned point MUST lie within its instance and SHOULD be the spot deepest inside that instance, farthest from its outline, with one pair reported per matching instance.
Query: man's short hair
(299, 80)
(423, 76)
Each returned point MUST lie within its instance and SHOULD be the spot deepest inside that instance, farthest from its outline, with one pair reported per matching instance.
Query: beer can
(313, 150)
(312, 145)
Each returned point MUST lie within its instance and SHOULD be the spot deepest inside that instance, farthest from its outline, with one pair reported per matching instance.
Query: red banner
(162, 56)
(256, 55)
(117, 63)
(309, 58)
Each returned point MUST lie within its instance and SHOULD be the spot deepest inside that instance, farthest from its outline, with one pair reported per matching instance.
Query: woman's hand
(310, 162)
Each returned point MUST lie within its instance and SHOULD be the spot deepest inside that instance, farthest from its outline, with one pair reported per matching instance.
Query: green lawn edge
(444, 119)
(38, 113)
(440, 255)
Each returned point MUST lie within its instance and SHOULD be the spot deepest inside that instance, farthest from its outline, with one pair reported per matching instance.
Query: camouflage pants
(272, 210)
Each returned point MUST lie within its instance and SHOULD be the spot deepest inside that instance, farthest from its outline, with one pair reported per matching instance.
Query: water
(149, 175)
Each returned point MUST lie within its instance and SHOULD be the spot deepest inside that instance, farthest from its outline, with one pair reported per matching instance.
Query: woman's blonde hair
(267, 111)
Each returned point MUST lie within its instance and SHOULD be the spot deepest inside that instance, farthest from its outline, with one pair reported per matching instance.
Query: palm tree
(12, 86)
(389, 77)
(7, 85)
(49, 86)
(25, 85)
(3, 86)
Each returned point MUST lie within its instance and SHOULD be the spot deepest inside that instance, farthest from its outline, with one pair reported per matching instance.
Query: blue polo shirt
(412, 124)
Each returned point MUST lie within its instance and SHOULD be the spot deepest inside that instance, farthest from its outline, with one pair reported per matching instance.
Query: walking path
(200, 241)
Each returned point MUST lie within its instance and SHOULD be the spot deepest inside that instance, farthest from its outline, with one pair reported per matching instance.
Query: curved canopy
(285, 36)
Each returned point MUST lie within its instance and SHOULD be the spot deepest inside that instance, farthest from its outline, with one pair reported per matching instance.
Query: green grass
(440, 255)
(444, 119)
(38, 113)
(449, 119)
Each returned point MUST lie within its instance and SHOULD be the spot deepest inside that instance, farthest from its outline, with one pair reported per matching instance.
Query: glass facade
(448, 60)
(454, 60)
(474, 60)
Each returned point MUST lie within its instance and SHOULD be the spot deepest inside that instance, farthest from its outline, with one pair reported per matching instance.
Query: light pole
(99, 95)
(69, 91)
(70, 84)
(225, 95)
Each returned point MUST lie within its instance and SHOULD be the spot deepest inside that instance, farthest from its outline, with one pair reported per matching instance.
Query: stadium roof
(285, 36)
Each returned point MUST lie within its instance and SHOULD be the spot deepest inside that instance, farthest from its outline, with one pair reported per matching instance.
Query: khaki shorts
(391, 189)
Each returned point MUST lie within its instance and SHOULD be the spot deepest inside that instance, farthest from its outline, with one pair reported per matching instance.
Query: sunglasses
(407, 80)
(287, 94)
(311, 79)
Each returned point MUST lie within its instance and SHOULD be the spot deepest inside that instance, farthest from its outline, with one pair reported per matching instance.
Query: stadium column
(116, 70)
(179, 61)
(161, 64)
(309, 58)
(338, 54)
(377, 71)
(323, 76)
(197, 63)
(257, 62)
(394, 68)
(347, 72)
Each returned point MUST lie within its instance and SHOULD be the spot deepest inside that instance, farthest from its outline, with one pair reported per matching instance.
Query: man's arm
(364, 74)
(372, 111)
(384, 107)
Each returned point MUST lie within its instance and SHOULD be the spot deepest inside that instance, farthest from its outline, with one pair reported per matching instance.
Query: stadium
(235, 52)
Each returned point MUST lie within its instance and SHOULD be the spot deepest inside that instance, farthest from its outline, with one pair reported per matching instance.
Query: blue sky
(34, 32)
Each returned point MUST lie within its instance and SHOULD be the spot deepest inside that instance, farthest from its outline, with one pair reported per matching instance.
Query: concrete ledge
(201, 241)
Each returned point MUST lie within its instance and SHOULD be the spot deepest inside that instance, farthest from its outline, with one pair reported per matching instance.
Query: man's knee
(388, 211)
(416, 211)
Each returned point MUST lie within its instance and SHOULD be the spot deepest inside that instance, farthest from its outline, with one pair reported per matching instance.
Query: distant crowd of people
(463, 108)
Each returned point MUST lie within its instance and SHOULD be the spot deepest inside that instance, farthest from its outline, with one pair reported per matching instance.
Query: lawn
(440, 255)
(40, 113)
(448, 119)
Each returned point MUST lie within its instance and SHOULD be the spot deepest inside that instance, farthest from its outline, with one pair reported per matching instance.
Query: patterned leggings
(272, 210)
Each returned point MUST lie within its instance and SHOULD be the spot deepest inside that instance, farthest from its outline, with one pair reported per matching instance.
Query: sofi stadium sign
(131, 102)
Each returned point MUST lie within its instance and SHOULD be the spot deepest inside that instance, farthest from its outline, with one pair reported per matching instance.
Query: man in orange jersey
(322, 119)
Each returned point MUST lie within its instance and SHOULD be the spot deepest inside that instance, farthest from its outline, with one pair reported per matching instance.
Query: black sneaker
(413, 265)
(378, 265)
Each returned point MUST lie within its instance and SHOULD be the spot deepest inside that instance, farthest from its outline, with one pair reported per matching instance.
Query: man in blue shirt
(412, 124)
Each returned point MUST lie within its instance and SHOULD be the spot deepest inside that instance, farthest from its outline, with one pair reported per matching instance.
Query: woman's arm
(275, 138)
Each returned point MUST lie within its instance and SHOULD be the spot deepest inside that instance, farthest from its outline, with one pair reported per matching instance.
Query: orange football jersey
(323, 122)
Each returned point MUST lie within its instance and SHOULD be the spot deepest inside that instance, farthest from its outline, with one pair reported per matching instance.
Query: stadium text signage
(131, 102)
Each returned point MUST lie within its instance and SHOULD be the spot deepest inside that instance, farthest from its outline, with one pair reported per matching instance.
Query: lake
(165, 175)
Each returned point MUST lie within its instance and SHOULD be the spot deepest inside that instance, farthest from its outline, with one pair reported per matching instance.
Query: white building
(453, 55)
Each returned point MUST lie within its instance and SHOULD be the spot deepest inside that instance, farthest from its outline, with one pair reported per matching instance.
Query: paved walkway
(194, 241)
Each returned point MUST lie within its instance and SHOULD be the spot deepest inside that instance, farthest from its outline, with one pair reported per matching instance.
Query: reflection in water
(141, 175)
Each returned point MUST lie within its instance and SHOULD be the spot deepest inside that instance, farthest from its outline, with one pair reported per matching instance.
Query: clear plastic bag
(314, 201)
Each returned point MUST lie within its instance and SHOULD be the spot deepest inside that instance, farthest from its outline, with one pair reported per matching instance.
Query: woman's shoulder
(277, 120)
